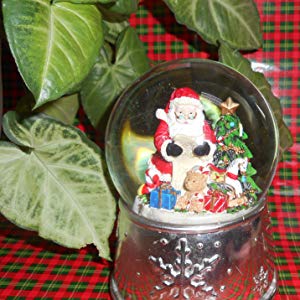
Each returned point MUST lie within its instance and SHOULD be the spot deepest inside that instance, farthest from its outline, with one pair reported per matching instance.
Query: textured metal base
(267, 296)
(198, 262)
(272, 288)
(114, 291)
(154, 261)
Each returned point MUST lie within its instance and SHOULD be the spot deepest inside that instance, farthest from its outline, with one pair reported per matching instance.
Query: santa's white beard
(193, 128)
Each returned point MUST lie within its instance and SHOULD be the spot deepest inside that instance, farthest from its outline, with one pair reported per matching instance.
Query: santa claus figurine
(182, 119)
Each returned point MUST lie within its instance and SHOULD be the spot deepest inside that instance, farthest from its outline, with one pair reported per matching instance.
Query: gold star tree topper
(228, 107)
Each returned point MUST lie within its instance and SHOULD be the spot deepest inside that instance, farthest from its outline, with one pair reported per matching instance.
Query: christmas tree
(230, 138)
(231, 146)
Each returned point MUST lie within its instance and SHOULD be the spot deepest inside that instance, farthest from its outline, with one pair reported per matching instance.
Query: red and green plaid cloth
(32, 268)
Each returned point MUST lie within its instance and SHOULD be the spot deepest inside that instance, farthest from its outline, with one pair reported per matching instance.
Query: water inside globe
(129, 138)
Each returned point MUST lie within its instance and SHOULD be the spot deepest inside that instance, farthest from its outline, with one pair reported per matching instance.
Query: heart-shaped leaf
(107, 79)
(54, 182)
(234, 59)
(234, 21)
(54, 44)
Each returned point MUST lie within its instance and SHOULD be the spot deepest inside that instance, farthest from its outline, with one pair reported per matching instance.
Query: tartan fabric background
(32, 268)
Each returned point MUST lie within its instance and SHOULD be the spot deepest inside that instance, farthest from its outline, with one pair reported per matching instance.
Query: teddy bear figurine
(195, 185)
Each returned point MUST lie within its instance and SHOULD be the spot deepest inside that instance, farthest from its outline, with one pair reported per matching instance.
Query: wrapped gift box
(216, 201)
(164, 196)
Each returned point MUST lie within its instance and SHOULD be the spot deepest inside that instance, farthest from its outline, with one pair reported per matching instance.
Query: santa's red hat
(184, 95)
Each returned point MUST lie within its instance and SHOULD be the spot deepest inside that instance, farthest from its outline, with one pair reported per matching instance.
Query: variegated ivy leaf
(53, 182)
(107, 79)
(54, 44)
(234, 21)
(234, 59)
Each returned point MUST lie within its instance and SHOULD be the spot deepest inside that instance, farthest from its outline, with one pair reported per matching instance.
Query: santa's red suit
(160, 165)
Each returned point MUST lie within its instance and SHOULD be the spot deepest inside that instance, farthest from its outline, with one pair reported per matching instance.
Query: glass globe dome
(132, 124)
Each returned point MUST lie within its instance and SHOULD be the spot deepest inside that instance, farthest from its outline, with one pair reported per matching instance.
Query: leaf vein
(214, 16)
(48, 53)
(70, 196)
(72, 36)
(81, 18)
(241, 20)
(77, 169)
(70, 61)
(42, 3)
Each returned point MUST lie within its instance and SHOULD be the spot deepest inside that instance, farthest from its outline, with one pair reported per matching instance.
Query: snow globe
(192, 149)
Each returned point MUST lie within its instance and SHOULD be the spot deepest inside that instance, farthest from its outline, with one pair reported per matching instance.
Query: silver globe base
(159, 261)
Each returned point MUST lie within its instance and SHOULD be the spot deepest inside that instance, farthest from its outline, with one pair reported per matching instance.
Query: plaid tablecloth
(32, 268)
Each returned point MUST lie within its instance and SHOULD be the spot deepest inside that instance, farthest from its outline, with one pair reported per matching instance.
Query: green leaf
(106, 81)
(123, 7)
(54, 183)
(234, 21)
(63, 109)
(234, 59)
(54, 45)
(113, 29)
